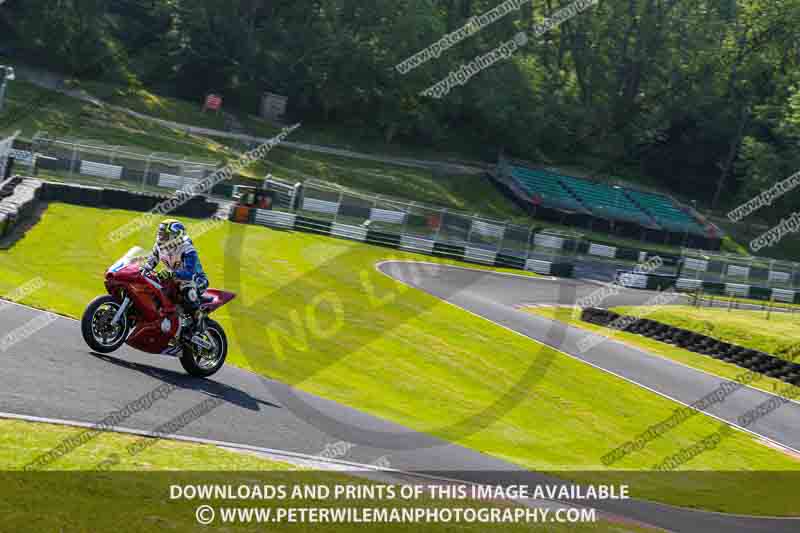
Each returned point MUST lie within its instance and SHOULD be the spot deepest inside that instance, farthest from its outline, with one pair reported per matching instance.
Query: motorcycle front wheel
(201, 362)
(96, 327)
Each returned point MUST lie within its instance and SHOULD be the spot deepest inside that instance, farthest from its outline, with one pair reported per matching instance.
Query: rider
(174, 248)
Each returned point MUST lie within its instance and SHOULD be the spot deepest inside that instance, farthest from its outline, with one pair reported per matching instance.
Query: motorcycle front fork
(121, 311)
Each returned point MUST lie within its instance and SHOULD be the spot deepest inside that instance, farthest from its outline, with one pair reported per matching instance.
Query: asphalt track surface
(53, 375)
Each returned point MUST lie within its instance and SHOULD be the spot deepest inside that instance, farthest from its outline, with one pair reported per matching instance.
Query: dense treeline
(703, 95)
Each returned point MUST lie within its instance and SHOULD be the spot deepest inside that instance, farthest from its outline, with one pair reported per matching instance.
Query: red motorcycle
(139, 310)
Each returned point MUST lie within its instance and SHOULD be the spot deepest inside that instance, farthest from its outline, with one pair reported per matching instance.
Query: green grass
(32, 109)
(22, 442)
(779, 336)
(397, 353)
(363, 138)
(65, 117)
(359, 138)
(100, 486)
(467, 192)
(661, 349)
(157, 106)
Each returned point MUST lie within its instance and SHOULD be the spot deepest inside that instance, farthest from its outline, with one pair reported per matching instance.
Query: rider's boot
(199, 322)
(198, 327)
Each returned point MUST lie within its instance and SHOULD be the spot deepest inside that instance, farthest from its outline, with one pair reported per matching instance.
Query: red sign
(214, 102)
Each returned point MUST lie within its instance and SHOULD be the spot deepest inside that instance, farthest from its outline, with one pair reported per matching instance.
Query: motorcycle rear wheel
(96, 326)
(203, 363)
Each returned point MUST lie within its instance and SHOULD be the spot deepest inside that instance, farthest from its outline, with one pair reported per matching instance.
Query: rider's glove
(165, 275)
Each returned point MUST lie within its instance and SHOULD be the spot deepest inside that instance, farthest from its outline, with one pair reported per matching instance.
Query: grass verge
(398, 353)
(99, 486)
(32, 109)
(779, 335)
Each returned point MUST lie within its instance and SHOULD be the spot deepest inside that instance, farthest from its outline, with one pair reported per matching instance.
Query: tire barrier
(18, 199)
(411, 243)
(195, 207)
(754, 360)
(71, 194)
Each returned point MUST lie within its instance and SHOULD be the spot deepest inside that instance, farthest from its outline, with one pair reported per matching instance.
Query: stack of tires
(18, 197)
(753, 360)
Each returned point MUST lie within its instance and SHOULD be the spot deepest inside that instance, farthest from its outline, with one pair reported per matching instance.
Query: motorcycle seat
(206, 299)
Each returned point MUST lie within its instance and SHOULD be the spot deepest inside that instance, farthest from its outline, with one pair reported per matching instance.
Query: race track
(53, 375)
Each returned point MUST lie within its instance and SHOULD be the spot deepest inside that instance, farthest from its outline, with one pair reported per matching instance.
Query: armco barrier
(510, 261)
(714, 287)
(277, 219)
(759, 293)
(754, 360)
(347, 231)
(661, 282)
(444, 249)
(412, 243)
(382, 238)
(653, 282)
(312, 225)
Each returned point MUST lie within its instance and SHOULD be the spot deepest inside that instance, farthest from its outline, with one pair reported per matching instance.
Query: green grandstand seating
(606, 201)
(547, 186)
(665, 212)
(577, 194)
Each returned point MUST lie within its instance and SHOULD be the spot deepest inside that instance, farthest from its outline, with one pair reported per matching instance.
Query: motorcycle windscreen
(135, 255)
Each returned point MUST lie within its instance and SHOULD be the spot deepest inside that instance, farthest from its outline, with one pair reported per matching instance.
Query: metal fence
(95, 162)
(420, 227)
(728, 268)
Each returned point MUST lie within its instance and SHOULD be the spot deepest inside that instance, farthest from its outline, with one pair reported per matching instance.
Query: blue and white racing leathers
(180, 257)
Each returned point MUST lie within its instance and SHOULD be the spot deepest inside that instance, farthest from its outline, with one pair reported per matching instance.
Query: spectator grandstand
(665, 212)
(546, 188)
(604, 201)
(584, 202)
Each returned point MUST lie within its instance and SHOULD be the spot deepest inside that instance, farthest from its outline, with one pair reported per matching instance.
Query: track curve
(51, 375)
